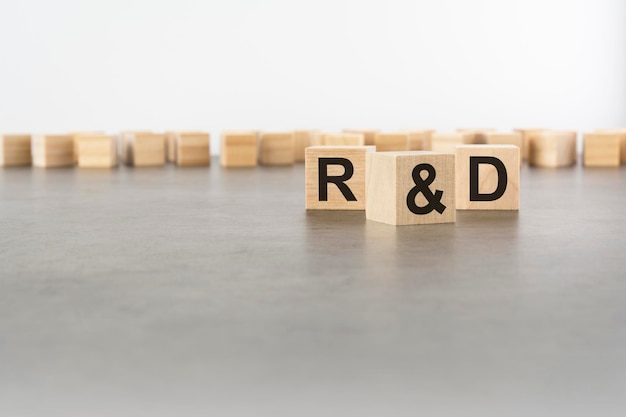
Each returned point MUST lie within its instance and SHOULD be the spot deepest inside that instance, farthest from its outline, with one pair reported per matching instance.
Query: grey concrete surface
(212, 292)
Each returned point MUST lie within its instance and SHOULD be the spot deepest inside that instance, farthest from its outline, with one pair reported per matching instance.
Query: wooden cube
(239, 149)
(170, 146)
(622, 135)
(302, 140)
(142, 149)
(124, 144)
(400, 185)
(487, 177)
(76, 135)
(96, 151)
(601, 149)
(52, 151)
(419, 140)
(506, 138)
(391, 142)
(335, 177)
(526, 134)
(552, 148)
(343, 139)
(277, 148)
(192, 148)
(15, 150)
(447, 142)
(480, 135)
(368, 135)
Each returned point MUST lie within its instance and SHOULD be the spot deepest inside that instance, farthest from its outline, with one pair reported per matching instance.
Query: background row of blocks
(385, 184)
(540, 147)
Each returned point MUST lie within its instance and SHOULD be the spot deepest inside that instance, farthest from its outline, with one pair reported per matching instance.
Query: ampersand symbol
(421, 186)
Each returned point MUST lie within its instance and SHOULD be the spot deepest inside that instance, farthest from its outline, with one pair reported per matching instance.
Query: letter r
(339, 181)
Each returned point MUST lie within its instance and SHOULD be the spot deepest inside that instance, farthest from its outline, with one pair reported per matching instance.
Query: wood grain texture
(390, 180)
(239, 149)
(622, 135)
(147, 149)
(506, 138)
(277, 148)
(343, 139)
(526, 134)
(336, 199)
(419, 140)
(480, 134)
(447, 142)
(602, 149)
(192, 148)
(15, 150)
(52, 151)
(488, 177)
(368, 134)
(302, 140)
(552, 148)
(96, 151)
(391, 142)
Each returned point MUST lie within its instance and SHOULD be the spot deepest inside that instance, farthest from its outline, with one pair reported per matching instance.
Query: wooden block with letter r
(277, 148)
(335, 177)
(413, 187)
(487, 177)
(52, 151)
(96, 151)
(15, 150)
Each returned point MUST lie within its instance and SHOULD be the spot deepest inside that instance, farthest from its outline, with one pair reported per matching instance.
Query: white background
(70, 65)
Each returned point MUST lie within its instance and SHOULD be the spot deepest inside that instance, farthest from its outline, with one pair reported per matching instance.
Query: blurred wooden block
(52, 151)
(447, 142)
(96, 151)
(419, 140)
(76, 135)
(368, 135)
(602, 149)
(15, 150)
(391, 142)
(302, 140)
(506, 138)
(526, 134)
(415, 187)
(124, 144)
(622, 135)
(192, 148)
(487, 177)
(144, 149)
(343, 139)
(480, 135)
(552, 148)
(277, 148)
(239, 149)
(170, 146)
(335, 177)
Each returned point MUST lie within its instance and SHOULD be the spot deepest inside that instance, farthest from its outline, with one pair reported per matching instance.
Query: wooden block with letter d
(413, 187)
(277, 148)
(335, 177)
(487, 177)
(96, 151)
(15, 150)
(52, 151)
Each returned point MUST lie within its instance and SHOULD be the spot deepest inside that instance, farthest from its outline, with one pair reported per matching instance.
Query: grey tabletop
(207, 291)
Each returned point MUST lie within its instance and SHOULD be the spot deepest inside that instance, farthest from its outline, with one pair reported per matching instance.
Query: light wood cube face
(147, 149)
(343, 139)
(480, 135)
(368, 135)
(335, 177)
(601, 149)
(418, 140)
(487, 177)
(506, 138)
(239, 149)
(622, 135)
(302, 140)
(552, 149)
(192, 149)
(447, 142)
(414, 187)
(170, 146)
(96, 151)
(526, 134)
(52, 151)
(277, 148)
(391, 142)
(15, 150)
